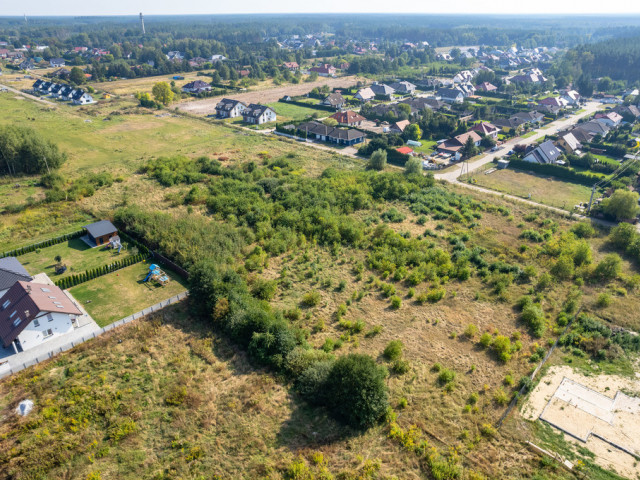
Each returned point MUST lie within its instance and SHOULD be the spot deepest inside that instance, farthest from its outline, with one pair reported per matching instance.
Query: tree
(378, 159)
(623, 204)
(76, 76)
(605, 84)
(584, 85)
(487, 142)
(469, 148)
(404, 108)
(356, 390)
(330, 122)
(162, 93)
(413, 166)
(413, 132)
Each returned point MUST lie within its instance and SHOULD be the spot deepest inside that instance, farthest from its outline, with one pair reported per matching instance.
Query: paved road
(30, 97)
(552, 128)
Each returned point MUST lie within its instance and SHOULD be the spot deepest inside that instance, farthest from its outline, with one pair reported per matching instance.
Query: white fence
(7, 369)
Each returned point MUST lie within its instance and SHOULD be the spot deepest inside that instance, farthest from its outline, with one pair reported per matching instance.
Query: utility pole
(593, 190)
(47, 164)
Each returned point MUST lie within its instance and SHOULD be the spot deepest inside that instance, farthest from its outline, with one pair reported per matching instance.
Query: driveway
(549, 129)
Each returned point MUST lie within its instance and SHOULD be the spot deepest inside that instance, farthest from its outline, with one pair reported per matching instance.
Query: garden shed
(100, 232)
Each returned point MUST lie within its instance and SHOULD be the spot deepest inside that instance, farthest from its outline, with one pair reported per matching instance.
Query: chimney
(28, 288)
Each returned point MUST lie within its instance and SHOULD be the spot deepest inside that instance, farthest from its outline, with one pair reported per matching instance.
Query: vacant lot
(545, 190)
(119, 294)
(165, 395)
(145, 84)
(290, 113)
(75, 254)
(208, 105)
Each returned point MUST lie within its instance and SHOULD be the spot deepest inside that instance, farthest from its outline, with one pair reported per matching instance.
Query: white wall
(33, 336)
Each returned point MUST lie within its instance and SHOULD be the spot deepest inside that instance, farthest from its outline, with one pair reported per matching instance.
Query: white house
(229, 108)
(572, 97)
(365, 94)
(463, 77)
(450, 95)
(610, 119)
(258, 114)
(80, 97)
(546, 152)
(197, 86)
(57, 62)
(33, 313)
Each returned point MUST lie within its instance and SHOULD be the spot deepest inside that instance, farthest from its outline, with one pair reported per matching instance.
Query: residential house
(27, 65)
(569, 143)
(382, 90)
(571, 97)
(324, 70)
(467, 89)
(450, 95)
(229, 108)
(291, 66)
(634, 92)
(4, 53)
(80, 49)
(100, 232)
(554, 102)
(593, 128)
(528, 77)
(610, 119)
(399, 126)
(196, 87)
(454, 145)
(175, 56)
(340, 136)
(80, 97)
(528, 117)
(487, 129)
(32, 313)
(65, 93)
(55, 90)
(217, 58)
(486, 87)
(546, 152)
(418, 104)
(629, 112)
(405, 88)
(196, 62)
(348, 118)
(365, 94)
(335, 100)
(61, 73)
(464, 76)
(57, 62)
(258, 114)
(11, 271)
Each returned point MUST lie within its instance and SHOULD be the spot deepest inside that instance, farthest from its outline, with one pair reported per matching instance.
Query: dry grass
(234, 421)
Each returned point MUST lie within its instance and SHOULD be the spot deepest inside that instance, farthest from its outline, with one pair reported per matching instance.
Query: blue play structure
(156, 274)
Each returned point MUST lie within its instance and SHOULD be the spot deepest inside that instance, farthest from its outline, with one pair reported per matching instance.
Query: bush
(502, 347)
(436, 294)
(500, 397)
(533, 316)
(378, 160)
(446, 376)
(311, 299)
(604, 300)
(486, 339)
(264, 289)
(396, 302)
(470, 331)
(356, 390)
(583, 230)
(400, 366)
(609, 268)
(393, 350)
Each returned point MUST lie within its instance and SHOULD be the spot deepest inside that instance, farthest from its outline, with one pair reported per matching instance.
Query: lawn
(76, 255)
(289, 113)
(529, 134)
(122, 293)
(145, 84)
(545, 190)
(428, 146)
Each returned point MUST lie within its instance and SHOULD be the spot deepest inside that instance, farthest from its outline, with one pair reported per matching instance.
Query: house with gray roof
(546, 152)
(258, 114)
(450, 95)
(230, 108)
(11, 271)
(382, 90)
(404, 87)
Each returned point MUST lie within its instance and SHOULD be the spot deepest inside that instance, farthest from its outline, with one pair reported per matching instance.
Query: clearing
(207, 106)
(543, 189)
(114, 296)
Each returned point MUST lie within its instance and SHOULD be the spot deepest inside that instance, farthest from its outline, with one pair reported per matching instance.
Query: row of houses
(63, 92)
(381, 90)
(253, 113)
(325, 133)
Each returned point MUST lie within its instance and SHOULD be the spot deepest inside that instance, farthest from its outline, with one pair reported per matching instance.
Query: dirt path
(208, 105)
(30, 97)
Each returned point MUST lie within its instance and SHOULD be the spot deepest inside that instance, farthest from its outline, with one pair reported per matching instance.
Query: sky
(171, 7)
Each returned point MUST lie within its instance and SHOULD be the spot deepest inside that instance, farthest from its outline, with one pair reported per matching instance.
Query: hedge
(90, 274)
(47, 243)
(563, 173)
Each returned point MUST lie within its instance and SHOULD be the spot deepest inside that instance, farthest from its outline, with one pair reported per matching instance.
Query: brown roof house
(348, 118)
(33, 313)
(334, 100)
(486, 128)
(454, 145)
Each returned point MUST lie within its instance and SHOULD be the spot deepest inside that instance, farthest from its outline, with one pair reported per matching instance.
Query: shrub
(402, 403)
(471, 330)
(533, 316)
(502, 347)
(500, 397)
(583, 230)
(488, 430)
(396, 302)
(176, 396)
(400, 366)
(311, 299)
(378, 160)
(376, 330)
(473, 398)
(356, 390)
(436, 294)
(486, 339)
(604, 300)
(609, 268)
(446, 376)
(393, 350)
(264, 289)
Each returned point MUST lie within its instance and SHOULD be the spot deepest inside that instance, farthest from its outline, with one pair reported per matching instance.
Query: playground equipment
(114, 242)
(157, 275)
